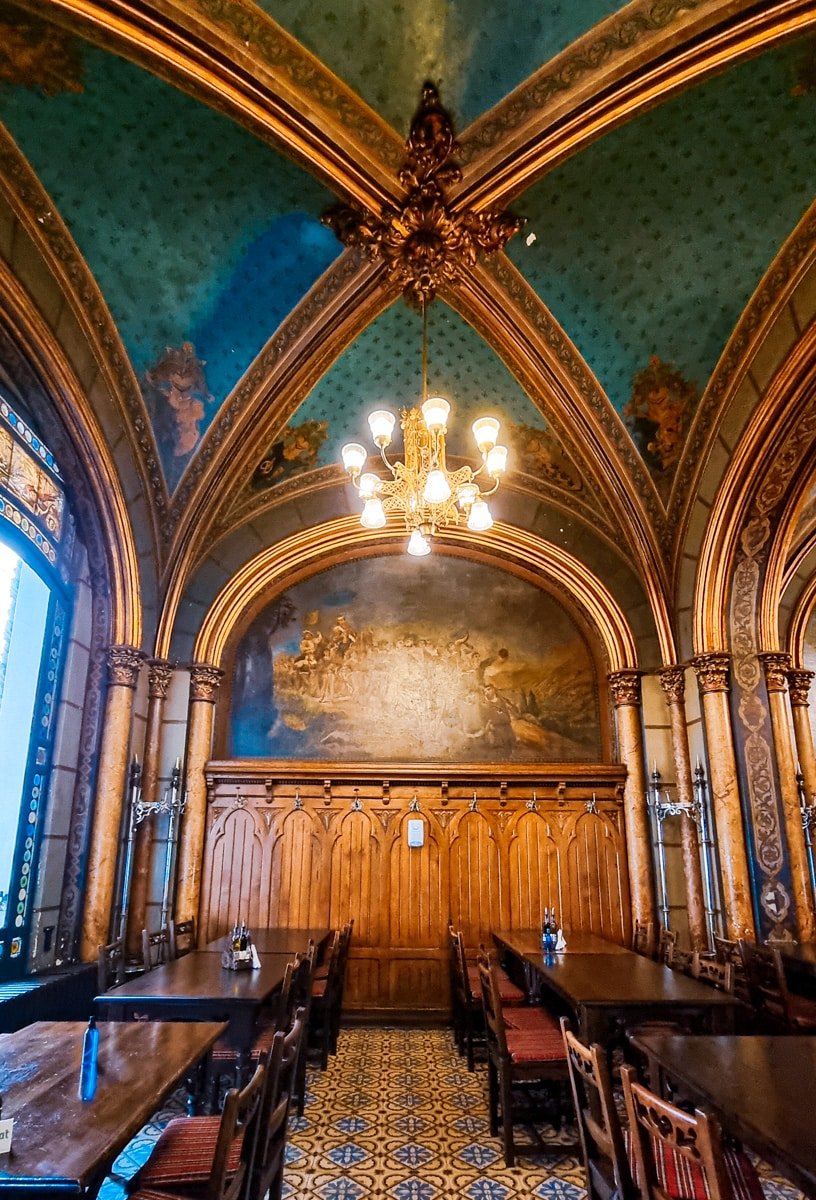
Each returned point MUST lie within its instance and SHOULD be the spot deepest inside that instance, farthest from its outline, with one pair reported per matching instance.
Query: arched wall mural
(391, 659)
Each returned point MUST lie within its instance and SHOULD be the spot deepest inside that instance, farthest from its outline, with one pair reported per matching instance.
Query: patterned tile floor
(398, 1115)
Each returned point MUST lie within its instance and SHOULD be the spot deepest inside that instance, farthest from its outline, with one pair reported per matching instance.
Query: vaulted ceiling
(165, 167)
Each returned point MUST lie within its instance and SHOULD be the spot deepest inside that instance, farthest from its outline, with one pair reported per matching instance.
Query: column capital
(712, 670)
(159, 674)
(775, 664)
(204, 681)
(625, 688)
(673, 682)
(124, 663)
(799, 681)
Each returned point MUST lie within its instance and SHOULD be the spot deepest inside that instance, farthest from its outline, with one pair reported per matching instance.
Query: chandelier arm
(385, 460)
(491, 491)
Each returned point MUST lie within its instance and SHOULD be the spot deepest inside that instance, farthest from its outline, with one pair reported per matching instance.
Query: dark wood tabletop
(63, 1144)
(278, 940)
(605, 991)
(528, 941)
(758, 1089)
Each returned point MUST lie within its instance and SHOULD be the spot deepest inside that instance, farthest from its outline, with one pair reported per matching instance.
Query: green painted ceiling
(474, 50)
(653, 239)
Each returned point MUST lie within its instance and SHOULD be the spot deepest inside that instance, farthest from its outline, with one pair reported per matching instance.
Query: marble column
(624, 687)
(712, 677)
(158, 681)
(673, 682)
(799, 682)
(123, 675)
(776, 665)
(204, 681)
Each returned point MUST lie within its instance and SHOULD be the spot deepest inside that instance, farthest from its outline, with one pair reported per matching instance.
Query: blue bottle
(90, 1056)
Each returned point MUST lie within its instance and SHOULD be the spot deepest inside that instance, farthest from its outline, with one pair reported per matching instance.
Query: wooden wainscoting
(304, 845)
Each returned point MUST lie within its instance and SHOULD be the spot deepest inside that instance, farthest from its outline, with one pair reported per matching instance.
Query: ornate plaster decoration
(712, 671)
(423, 244)
(799, 681)
(204, 682)
(776, 665)
(124, 663)
(673, 682)
(159, 674)
(624, 687)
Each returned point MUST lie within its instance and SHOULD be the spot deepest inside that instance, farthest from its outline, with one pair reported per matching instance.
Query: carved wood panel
(297, 848)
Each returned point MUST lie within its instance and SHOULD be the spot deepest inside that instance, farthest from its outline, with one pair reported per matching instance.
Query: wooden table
(608, 993)
(528, 941)
(758, 1087)
(278, 940)
(61, 1144)
(197, 987)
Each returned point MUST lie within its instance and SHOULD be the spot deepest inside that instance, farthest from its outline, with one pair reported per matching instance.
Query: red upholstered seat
(530, 1018)
(183, 1155)
(542, 1045)
(682, 1179)
(509, 993)
(319, 986)
(222, 1051)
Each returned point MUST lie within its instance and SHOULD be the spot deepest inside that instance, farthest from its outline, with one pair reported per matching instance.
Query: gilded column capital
(124, 663)
(204, 681)
(625, 688)
(673, 682)
(775, 664)
(799, 681)
(159, 674)
(712, 671)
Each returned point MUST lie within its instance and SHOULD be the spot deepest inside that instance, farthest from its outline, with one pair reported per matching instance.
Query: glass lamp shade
(369, 485)
(354, 457)
(479, 517)
(497, 460)
(381, 423)
(435, 410)
(466, 494)
(437, 489)
(373, 514)
(486, 432)
(418, 545)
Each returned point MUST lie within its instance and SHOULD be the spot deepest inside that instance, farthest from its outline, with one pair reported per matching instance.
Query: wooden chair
(666, 943)
(325, 996)
(156, 948)
(110, 965)
(602, 1144)
(270, 1149)
(469, 1013)
(778, 1009)
(678, 1156)
(182, 937)
(729, 952)
(687, 961)
(643, 938)
(301, 998)
(516, 1059)
(345, 946)
(719, 974)
(206, 1157)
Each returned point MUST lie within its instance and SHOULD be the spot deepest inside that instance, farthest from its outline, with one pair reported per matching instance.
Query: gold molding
(799, 620)
(124, 664)
(673, 683)
(713, 671)
(159, 675)
(625, 689)
(302, 554)
(799, 683)
(775, 665)
(205, 681)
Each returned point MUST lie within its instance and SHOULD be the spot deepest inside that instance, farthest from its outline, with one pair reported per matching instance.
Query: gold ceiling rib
(593, 87)
(800, 619)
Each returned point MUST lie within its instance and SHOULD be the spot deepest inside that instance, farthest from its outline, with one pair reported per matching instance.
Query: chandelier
(421, 489)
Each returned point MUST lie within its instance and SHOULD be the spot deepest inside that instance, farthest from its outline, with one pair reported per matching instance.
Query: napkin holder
(237, 960)
(560, 941)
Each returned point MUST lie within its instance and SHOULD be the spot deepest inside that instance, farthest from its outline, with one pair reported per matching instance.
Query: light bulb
(435, 411)
(369, 485)
(373, 514)
(354, 457)
(381, 423)
(466, 494)
(437, 489)
(497, 460)
(479, 517)
(486, 432)
(418, 545)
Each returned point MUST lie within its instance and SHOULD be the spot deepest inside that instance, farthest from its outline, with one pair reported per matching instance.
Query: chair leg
(507, 1122)
(471, 1066)
(492, 1098)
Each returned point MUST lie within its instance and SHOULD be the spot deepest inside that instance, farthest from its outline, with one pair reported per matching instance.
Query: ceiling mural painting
(202, 259)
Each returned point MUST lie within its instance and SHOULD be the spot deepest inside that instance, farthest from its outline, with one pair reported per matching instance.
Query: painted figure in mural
(296, 450)
(659, 414)
(176, 393)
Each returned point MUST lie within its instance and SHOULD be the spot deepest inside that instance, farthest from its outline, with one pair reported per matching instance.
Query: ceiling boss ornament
(425, 245)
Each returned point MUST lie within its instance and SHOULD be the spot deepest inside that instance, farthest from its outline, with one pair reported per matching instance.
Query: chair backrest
(300, 993)
(182, 937)
(666, 942)
(283, 1008)
(643, 937)
(493, 1011)
(767, 985)
(463, 979)
(599, 1129)
(345, 946)
(156, 948)
(719, 974)
(281, 1066)
(687, 961)
(659, 1128)
(729, 952)
(238, 1126)
(110, 965)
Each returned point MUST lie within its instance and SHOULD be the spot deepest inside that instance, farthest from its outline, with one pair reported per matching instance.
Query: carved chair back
(156, 948)
(110, 965)
(643, 938)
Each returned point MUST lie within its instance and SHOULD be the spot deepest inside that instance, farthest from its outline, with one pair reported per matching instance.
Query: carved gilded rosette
(204, 682)
(776, 665)
(799, 681)
(624, 687)
(712, 671)
(124, 663)
(159, 674)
